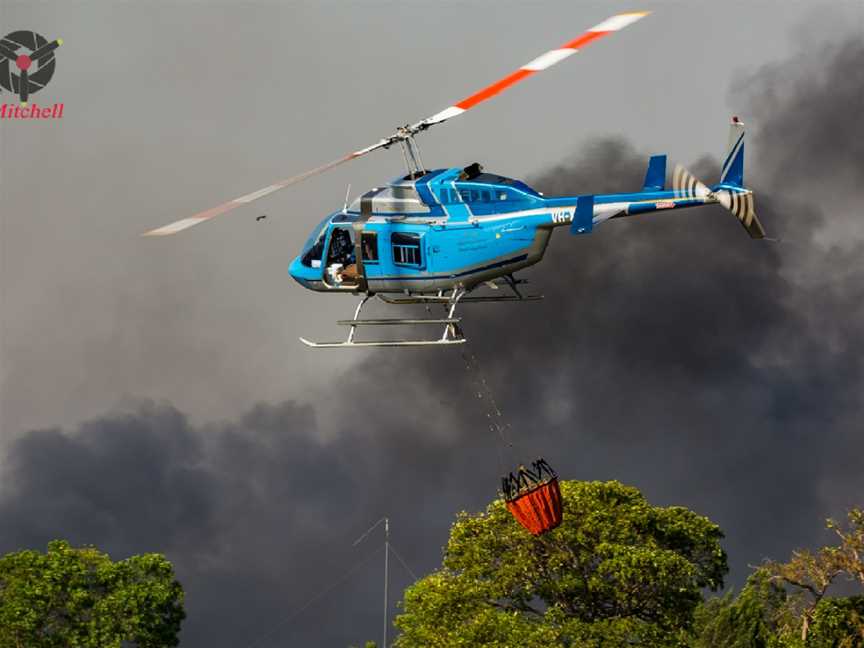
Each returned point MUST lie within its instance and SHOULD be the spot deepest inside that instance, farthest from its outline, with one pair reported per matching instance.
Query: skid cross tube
(353, 328)
(452, 329)
(440, 298)
(452, 333)
(385, 322)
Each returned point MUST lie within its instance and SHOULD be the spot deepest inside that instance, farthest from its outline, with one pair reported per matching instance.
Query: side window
(369, 243)
(406, 249)
(465, 195)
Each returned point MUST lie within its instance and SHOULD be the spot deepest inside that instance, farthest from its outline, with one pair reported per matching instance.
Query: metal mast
(386, 522)
(386, 574)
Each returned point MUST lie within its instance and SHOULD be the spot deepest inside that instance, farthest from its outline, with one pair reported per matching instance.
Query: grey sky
(672, 353)
(174, 107)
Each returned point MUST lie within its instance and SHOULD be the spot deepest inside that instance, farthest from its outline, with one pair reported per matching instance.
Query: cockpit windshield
(313, 248)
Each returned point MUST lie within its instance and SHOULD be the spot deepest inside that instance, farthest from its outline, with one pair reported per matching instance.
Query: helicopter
(436, 236)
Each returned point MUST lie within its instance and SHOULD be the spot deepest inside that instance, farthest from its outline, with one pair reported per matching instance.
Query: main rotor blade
(200, 217)
(542, 62)
(547, 60)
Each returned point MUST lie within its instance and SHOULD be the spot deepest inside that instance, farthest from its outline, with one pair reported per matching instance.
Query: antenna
(347, 194)
(386, 522)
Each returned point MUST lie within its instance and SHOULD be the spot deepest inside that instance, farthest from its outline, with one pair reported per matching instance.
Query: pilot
(342, 255)
(342, 249)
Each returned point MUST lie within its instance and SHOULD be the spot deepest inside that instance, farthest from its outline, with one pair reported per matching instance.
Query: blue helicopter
(434, 237)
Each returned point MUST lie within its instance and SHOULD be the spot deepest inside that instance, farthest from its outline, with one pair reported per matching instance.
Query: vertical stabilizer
(732, 171)
(655, 176)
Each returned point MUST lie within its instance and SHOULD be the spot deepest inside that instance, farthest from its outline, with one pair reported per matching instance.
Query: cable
(314, 599)
(404, 564)
(497, 424)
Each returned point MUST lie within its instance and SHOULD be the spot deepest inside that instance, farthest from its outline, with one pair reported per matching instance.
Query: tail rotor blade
(740, 203)
(686, 185)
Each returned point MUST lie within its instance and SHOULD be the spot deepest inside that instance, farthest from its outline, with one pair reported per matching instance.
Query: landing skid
(452, 333)
(383, 343)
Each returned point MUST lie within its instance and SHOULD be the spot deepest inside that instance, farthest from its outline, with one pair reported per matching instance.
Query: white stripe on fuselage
(602, 211)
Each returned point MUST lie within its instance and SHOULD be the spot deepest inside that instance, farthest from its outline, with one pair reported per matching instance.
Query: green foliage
(618, 571)
(746, 621)
(808, 576)
(787, 605)
(79, 598)
(838, 623)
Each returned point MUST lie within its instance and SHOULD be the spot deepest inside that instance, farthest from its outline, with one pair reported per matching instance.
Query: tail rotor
(737, 200)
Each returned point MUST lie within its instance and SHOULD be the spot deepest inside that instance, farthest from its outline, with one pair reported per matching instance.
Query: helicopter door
(340, 268)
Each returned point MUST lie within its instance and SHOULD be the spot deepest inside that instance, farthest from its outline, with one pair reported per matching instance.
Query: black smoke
(671, 352)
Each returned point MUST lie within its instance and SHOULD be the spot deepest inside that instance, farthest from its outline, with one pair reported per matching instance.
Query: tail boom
(686, 191)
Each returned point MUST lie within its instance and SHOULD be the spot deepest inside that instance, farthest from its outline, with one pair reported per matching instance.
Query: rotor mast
(410, 151)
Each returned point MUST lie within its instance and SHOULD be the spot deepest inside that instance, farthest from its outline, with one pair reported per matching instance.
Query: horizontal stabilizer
(655, 177)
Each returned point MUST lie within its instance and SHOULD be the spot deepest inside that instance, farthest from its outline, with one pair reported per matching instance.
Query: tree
(838, 623)
(851, 549)
(809, 575)
(79, 598)
(788, 605)
(617, 572)
(749, 620)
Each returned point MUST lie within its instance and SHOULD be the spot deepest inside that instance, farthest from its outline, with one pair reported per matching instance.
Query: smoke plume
(671, 352)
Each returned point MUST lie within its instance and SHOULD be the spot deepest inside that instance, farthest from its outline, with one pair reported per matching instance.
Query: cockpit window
(313, 248)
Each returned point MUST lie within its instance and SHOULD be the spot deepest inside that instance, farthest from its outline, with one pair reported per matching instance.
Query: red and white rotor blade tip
(200, 217)
(542, 62)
